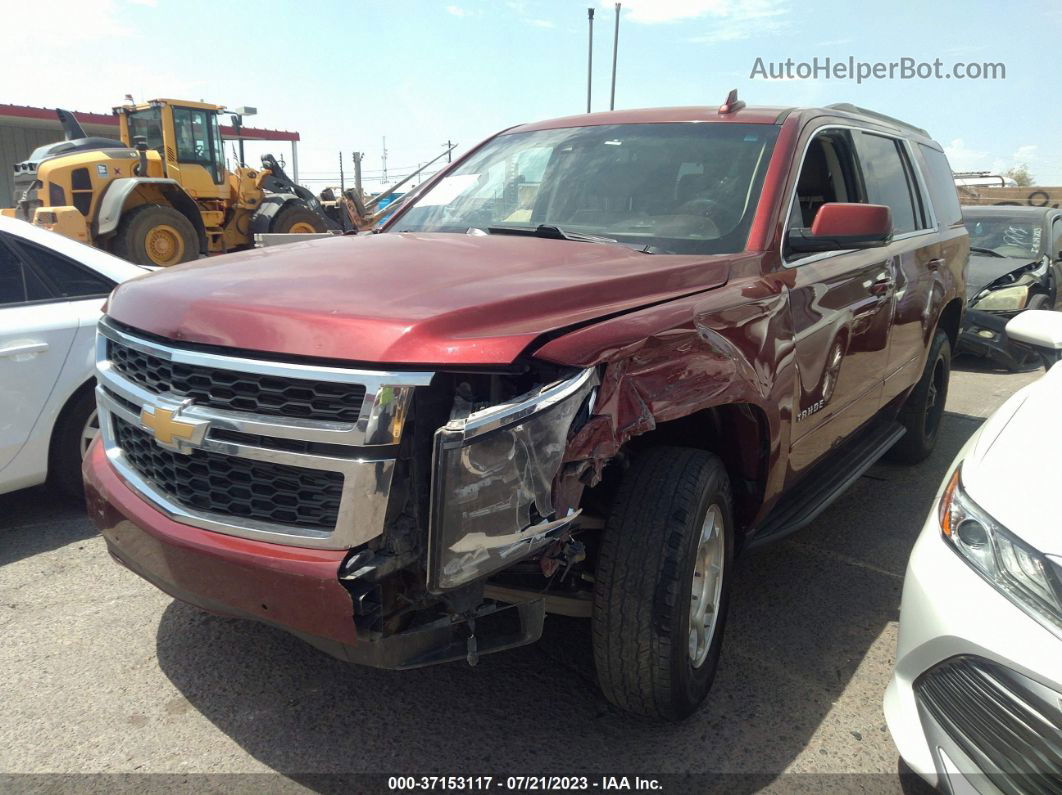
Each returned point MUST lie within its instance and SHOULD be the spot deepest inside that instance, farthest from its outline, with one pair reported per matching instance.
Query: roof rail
(848, 107)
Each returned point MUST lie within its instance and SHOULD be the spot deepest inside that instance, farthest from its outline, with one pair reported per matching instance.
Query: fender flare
(118, 191)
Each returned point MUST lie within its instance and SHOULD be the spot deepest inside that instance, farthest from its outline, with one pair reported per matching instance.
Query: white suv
(51, 292)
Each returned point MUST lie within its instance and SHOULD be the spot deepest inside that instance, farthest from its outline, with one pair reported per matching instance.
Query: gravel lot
(101, 673)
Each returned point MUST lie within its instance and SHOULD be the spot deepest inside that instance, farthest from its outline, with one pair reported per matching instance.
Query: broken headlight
(1005, 299)
(493, 479)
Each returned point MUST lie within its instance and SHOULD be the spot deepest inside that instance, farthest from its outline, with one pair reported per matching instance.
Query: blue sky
(346, 73)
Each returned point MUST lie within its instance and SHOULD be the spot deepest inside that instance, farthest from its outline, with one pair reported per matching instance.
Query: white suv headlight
(493, 471)
(1014, 568)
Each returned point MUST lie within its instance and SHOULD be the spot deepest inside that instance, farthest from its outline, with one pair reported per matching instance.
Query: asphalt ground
(100, 673)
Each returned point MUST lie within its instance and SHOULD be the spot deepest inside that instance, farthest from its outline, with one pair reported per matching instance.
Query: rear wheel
(296, 219)
(921, 415)
(662, 583)
(154, 234)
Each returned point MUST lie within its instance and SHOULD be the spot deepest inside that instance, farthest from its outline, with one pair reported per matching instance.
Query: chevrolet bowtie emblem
(172, 432)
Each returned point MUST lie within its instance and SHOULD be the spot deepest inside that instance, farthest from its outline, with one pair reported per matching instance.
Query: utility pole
(342, 183)
(357, 171)
(449, 151)
(615, 52)
(589, 56)
(385, 158)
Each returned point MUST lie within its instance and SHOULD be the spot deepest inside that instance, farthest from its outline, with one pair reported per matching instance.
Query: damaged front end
(473, 495)
(996, 299)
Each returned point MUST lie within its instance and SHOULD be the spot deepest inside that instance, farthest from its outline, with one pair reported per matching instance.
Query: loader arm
(276, 181)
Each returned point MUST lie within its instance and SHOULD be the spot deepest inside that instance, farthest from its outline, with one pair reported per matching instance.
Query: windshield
(1008, 235)
(679, 188)
(147, 123)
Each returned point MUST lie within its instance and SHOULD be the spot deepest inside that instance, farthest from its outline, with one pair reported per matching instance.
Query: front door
(841, 306)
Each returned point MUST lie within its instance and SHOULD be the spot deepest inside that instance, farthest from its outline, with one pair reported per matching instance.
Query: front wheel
(662, 583)
(298, 219)
(76, 429)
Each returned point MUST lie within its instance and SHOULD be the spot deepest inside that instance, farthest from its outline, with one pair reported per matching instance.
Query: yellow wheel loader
(162, 194)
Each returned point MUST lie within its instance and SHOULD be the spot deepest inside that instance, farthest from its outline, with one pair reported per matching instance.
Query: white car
(975, 701)
(51, 292)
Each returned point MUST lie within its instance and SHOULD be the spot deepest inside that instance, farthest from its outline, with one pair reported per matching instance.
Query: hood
(1012, 471)
(406, 298)
(984, 269)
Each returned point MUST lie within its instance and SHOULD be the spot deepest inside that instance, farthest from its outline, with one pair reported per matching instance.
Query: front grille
(239, 391)
(233, 486)
(1010, 726)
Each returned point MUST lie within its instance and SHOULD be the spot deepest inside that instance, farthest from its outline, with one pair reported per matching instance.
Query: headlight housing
(1005, 299)
(1019, 572)
(493, 471)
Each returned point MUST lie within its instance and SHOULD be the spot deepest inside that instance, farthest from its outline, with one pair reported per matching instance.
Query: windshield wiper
(987, 251)
(550, 232)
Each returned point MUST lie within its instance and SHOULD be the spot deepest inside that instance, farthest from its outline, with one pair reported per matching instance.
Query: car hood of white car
(1014, 470)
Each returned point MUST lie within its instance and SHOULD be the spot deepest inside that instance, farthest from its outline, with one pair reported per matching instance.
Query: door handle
(22, 349)
(935, 263)
(881, 285)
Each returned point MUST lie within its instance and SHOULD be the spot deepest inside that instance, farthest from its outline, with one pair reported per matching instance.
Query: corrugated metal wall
(16, 143)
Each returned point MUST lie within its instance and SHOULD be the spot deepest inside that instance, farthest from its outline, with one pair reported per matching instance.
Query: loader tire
(154, 234)
(662, 583)
(296, 219)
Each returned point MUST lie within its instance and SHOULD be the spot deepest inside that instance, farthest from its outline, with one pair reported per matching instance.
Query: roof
(697, 113)
(19, 112)
(1007, 209)
(700, 113)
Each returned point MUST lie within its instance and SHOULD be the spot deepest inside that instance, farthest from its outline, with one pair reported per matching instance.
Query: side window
(941, 186)
(66, 279)
(1056, 239)
(18, 283)
(12, 287)
(888, 180)
(826, 175)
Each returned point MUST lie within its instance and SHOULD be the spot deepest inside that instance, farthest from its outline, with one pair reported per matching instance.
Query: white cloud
(79, 21)
(745, 19)
(963, 158)
(724, 20)
(151, 3)
(457, 11)
(651, 12)
(541, 23)
(727, 20)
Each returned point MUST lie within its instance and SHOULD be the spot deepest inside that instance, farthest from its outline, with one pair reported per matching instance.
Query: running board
(828, 481)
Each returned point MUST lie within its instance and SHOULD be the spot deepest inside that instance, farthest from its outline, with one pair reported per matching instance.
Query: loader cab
(188, 139)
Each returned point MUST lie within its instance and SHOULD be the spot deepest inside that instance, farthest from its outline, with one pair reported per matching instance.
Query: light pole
(589, 56)
(615, 52)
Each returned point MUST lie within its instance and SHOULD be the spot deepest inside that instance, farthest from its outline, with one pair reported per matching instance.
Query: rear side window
(941, 186)
(19, 284)
(887, 179)
(12, 288)
(65, 278)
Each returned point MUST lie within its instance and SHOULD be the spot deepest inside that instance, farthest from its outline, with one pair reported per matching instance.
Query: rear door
(841, 305)
(36, 334)
(890, 178)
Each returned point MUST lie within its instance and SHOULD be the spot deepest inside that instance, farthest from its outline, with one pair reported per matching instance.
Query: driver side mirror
(843, 225)
(1040, 329)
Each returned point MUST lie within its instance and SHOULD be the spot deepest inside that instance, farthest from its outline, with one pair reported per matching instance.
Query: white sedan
(51, 292)
(975, 701)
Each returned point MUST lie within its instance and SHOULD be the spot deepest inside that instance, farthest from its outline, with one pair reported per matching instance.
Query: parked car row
(586, 367)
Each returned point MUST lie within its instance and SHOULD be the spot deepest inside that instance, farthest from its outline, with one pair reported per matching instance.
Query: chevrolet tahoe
(578, 371)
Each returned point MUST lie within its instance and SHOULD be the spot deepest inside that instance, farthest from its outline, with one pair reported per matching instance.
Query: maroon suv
(578, 372)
